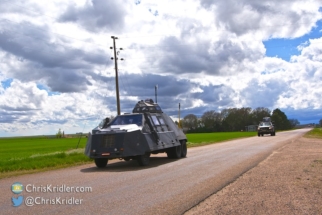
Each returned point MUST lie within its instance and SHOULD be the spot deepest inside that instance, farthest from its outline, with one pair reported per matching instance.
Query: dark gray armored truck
(147, 130)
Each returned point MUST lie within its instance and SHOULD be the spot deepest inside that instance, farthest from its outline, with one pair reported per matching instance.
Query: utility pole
(179, 124)
(116, 76)
(156, 93)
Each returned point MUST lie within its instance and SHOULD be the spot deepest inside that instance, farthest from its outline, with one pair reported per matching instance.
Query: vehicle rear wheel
(183, 149)
(143, 160)
(258, 134)
(174, 152)
(101, 162)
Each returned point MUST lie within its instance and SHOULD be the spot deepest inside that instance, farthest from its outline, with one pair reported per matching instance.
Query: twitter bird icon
(17, 201)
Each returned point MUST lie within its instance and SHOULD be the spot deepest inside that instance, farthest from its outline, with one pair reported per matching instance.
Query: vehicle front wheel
(101, 162)
(143, 160)
(183, 149)
(258, 134)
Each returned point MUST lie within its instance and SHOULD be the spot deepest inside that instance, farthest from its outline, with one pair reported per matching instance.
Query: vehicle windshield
(127, 119)
(265, 124)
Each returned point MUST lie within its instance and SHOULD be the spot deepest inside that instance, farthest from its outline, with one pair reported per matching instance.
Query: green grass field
(33, 154)
(209, 138)
(314, 133)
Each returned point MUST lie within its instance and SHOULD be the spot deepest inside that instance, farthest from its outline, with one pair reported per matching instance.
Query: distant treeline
(235, 119)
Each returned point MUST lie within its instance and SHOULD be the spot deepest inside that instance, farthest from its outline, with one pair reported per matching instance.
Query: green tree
(211, 120)
(235, 119)
(190, 121)
(259, 113)
(228, 116)
(245, 117)
(280, 120)
(294, 122)
(58, 134)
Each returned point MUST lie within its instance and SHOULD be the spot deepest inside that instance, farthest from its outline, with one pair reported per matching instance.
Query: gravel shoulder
(289, 181)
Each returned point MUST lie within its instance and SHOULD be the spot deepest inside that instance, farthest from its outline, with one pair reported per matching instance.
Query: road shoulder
(289, 181)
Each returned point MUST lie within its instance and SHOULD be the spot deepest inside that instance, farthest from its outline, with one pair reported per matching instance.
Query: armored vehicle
(147, 130)
(266, 127)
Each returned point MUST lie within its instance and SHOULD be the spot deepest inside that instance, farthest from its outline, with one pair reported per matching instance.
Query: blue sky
(286, 47)
(6, 83)
(56, 71)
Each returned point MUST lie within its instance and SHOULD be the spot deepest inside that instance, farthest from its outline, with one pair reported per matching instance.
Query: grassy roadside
(13, 173)
(314, 133)
(201, 139)
(33, 154)
(24, 155)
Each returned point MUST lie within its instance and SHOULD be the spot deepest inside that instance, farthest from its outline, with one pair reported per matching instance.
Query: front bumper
(265, 130)
(112, 145)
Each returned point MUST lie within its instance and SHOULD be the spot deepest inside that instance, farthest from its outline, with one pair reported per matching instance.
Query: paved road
(165, 187)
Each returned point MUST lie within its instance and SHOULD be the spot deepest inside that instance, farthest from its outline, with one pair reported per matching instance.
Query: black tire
(101, 162)
(183, 149)
(174, 152)
(258, 134)
(143, 160)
